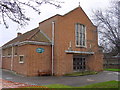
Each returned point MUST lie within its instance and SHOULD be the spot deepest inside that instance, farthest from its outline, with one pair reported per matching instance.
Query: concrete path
(72, 81)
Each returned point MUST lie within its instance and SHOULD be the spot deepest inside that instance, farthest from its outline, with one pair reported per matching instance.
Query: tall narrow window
(80, 35)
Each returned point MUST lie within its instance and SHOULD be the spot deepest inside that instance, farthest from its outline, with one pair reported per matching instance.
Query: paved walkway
(11, 84)
(72, 81)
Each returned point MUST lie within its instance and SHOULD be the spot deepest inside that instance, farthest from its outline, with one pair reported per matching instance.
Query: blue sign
(40, 50)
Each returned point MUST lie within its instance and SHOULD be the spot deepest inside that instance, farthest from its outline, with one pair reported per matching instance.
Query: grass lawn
(108, 84)
(58, 86)
(81, 73)
(117, 70)
(104, 85)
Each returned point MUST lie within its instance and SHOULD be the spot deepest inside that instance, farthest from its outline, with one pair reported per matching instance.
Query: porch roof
(79, 52)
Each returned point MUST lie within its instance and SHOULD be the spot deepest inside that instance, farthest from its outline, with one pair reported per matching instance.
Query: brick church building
(59, 45)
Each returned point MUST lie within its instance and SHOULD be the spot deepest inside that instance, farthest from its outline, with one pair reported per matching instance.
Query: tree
(15, 9)
(108, 22)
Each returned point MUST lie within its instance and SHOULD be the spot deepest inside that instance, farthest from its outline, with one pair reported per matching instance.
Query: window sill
(77, 46)
(9, 56)
(3, 56)
(21, 62)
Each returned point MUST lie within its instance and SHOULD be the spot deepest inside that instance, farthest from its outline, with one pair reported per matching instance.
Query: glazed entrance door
(79, 63)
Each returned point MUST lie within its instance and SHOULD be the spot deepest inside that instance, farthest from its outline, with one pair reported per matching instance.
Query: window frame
(23, 59)
(78, 31)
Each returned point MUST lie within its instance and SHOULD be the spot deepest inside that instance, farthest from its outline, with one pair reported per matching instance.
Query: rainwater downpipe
(1, 58)
(53, 30)
(12, 59)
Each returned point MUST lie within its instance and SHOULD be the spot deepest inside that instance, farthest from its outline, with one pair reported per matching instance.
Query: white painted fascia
(79, 52)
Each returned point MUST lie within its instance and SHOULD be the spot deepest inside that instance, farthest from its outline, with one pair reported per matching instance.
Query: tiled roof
(32, 35)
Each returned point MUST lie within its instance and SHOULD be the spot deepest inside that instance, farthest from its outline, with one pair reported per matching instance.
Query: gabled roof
(67, 14)
(32, 35)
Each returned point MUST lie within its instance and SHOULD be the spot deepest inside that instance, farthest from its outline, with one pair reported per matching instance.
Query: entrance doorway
(79, 63)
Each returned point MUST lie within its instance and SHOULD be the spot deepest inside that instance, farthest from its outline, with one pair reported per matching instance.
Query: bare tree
(15, 9)
(108, 22)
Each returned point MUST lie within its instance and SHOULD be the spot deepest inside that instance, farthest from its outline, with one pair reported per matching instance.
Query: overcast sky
(48, 11)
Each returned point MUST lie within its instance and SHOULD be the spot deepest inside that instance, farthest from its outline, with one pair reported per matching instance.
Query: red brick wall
(33, 61)
(46, 26)
(16, 66)
(21, 68)
(6, 63)
(95, 62)
(6, 59)
(38, 61)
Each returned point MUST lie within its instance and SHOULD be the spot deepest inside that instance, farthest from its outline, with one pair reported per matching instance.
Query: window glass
(80, 35)
(21, 59)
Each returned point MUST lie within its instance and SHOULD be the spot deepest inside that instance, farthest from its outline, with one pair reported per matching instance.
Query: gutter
(27, 42)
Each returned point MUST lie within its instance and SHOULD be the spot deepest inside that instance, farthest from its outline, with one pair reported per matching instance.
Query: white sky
(48, 11)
